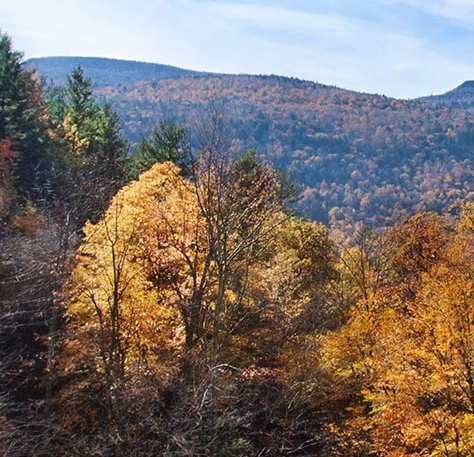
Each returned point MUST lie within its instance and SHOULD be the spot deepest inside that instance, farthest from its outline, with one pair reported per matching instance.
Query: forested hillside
(361, 158)
(172, 303)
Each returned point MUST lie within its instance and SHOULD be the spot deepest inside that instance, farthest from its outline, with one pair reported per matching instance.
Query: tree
(22, 119)
(402, 363)
(195, 241)
(425, 394)
(144, 310)
(413, 248)
(167, 143)
(241, 203)
(205, 283)
(124, 327)
(7, 178)
(113, 284)
(88, 155)
(286, 297)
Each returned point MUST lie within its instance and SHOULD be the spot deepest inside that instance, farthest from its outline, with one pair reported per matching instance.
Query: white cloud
(460, 11)
(284, 19)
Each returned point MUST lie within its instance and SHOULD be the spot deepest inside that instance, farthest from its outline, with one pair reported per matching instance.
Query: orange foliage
(406, 350)
(6, 155)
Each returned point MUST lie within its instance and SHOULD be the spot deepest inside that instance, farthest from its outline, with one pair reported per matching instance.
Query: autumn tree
(195, 241)
(401, 364)
(241, 201)
(288, 298)
(204, 282)
(115, 282)
(424, 396)
(124, 327)
(143, 297)
(413, 249)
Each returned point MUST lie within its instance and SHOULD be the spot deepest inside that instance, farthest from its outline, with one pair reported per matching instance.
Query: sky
(398, 48)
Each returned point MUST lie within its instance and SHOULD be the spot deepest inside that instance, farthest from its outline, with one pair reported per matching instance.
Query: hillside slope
(361, 158)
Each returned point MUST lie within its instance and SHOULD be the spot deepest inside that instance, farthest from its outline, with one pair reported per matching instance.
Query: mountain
(103, 72)
(460, 97)
(360, 158)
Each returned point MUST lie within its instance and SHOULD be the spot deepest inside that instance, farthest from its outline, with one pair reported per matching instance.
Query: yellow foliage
(72, 146)
(112, 288)
(407, 350)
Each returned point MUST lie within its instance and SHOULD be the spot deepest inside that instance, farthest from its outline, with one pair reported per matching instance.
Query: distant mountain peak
(104, 71)
(460, 97)
(465, 85)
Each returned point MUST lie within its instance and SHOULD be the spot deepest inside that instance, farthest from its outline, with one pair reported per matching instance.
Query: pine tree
(168, 142)
(88, 154)
(22, 118)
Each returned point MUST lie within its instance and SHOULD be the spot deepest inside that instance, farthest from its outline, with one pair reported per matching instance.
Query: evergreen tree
(22, 118)
(168, 142)
(88, 153)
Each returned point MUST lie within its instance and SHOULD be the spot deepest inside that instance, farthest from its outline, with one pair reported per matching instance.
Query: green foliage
(55, 97)
(22, 118)
(167, 143)
(87, 152)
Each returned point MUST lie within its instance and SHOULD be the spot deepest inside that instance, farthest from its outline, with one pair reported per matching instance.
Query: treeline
(173, 304)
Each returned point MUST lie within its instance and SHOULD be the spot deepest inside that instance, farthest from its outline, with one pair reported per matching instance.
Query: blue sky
(399, 48)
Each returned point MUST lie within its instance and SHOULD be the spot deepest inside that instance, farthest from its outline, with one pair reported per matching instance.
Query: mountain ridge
(57, 68)
(104, 71)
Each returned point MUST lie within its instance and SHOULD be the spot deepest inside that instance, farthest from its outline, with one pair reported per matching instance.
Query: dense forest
(361, 159)
(172, 302)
